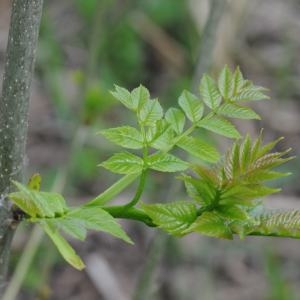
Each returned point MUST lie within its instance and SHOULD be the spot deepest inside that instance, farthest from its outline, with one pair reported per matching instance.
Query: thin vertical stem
(208, 40)
(143, 289)
(14, 103)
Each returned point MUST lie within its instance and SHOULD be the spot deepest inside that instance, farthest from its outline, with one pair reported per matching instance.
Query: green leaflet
(252, 93)
(225, 83)
(242, 194)
(125, 136)
(209, 92)
(191, 105)
(245, 154)
(124, 97)
(63, 246)
(95, 218)
(232, 162)
(132, 100)
(139, 96)
(233, 110)
(172, 217)
(237, 81)
(199, 148)
(165, 162)
(276, 223)
(233, 212)
(263, 175)
(124, 163)
(220, 125)
(73, 227)
(150, 112)
(176, 119)
(50, 211)
(211, 224)
(160, 136)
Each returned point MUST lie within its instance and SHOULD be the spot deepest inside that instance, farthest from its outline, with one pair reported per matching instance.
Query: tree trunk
(14, 103)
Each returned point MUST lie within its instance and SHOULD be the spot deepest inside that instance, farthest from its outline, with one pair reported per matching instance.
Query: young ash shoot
(224, 190)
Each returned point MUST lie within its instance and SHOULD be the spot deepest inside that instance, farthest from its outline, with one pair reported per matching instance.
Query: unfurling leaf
(202, 191)
(34, 182)
(276, 223)
(38, 204)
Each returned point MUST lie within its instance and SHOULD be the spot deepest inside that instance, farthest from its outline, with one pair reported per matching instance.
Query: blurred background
(85, 47)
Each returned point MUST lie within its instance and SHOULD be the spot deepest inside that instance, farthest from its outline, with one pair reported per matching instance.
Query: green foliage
(221, 126)
(51, 212)
(124, 163)
(276, 223)
(172, 217)
(225, 191)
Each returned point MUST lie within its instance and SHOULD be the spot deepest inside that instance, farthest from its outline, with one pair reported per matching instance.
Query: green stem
(131, 213)
(139, 191)
(113, 190)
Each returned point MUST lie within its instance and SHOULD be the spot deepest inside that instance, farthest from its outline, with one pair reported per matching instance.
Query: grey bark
(14, 103)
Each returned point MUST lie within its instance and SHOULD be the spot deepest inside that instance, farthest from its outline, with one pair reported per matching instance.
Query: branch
(208, 40)
(14, 103)
(132, 213)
